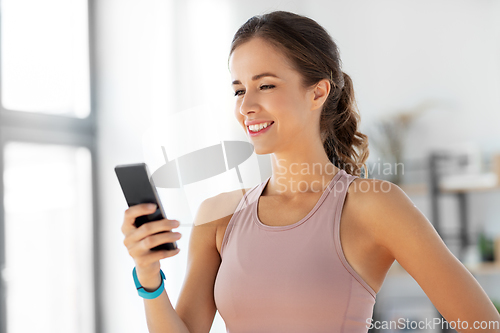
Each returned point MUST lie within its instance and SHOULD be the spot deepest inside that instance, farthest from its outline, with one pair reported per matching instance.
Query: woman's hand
(140, 240)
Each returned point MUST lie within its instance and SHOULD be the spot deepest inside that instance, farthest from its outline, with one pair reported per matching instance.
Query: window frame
(21, 126)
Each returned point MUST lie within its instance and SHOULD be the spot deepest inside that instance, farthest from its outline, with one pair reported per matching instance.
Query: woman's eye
(265, 86)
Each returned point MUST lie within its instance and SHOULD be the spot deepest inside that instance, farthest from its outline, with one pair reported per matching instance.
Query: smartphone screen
(138, 188)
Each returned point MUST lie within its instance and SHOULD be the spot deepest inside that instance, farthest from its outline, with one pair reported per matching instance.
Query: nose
(249, 103)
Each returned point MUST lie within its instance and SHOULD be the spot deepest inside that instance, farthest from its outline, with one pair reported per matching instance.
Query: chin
(262, 150)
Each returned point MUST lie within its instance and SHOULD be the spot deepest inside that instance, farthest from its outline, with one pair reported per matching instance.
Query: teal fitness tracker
(143, 293)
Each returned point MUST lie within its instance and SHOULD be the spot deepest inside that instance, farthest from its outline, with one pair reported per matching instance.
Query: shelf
(469, 182)
(423, 188)
(483, 268)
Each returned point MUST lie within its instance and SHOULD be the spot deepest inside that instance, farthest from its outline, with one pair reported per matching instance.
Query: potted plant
(497, 305)
(388, 135)
(486, 247)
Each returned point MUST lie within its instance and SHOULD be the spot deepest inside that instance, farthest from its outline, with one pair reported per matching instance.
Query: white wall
(399, 53)
(127, 34)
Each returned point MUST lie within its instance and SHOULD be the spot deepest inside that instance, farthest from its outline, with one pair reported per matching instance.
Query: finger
(133, 212)
(144, 246)
(151, 228)
(169, 253)
(161, 238)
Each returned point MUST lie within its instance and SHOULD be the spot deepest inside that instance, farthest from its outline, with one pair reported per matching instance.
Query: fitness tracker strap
(143, 293)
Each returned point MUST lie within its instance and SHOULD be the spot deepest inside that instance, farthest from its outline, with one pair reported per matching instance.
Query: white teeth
(258, 127)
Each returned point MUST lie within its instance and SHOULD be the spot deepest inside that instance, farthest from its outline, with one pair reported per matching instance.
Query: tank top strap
(338, 199)
(241, 212)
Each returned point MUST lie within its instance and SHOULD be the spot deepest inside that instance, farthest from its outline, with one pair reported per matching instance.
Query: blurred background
(82, 82)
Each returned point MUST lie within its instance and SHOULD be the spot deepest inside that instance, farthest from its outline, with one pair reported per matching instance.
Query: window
(44, 52)
(48, 265)
(47, 168)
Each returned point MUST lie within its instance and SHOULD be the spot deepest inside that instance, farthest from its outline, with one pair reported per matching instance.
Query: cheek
(286, 100)
(288, 106)
(237, 114)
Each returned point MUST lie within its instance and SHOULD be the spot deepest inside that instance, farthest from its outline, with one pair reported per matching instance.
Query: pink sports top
(292, 278)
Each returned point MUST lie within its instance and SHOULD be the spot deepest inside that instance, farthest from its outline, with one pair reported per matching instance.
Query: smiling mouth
(263, 128)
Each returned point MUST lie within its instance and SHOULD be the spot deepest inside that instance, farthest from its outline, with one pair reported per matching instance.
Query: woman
(308, 249)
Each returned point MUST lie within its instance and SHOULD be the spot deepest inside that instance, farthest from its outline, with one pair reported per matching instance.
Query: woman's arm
(196, 303)
(195, 308)
(399, 226)
(161, 316)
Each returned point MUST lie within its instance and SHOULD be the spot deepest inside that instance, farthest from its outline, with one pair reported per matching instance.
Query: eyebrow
(256, 77)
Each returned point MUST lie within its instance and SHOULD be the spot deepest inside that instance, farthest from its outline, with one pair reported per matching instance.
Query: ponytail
(339, 126)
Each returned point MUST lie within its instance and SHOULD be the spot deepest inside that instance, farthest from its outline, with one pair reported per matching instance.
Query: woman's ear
(320, 93)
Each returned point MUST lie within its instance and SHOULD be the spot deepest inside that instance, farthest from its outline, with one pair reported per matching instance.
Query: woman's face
(267, 88)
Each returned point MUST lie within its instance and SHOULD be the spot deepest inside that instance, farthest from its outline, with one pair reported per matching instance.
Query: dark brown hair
(314, 54)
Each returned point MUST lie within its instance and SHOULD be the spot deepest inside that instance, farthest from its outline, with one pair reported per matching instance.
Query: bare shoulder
(219, 209)
(382, 207)
(374, 189)
(377, 202)
(374, 196)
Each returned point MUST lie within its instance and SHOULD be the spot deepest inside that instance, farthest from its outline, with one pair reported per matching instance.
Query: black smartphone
(138, 188)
